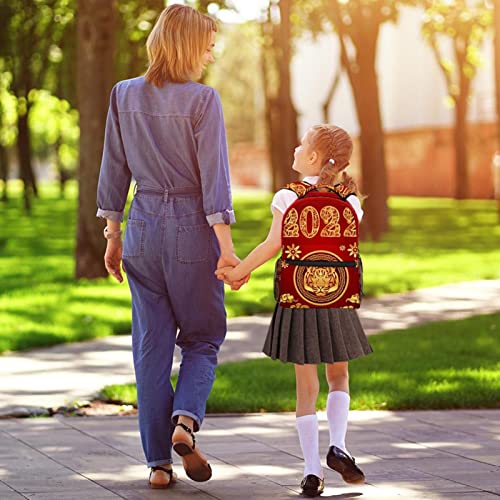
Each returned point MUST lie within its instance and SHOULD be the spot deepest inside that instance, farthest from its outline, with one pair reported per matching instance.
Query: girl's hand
(113, 258)
(228, 259)
(236, 285)
(226, 274)
(229, 276)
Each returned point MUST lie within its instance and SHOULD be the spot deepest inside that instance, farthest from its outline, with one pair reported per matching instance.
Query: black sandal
(195, 464)
(182, 448)
(162, 486)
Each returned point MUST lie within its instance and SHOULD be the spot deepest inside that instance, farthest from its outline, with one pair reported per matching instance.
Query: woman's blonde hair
(334, 146)
(177, 43)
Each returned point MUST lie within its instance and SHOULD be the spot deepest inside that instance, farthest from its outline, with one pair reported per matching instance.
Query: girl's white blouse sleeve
(285, 197)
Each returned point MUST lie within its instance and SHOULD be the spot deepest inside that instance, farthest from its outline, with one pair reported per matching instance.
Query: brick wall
(422, 162)
(419, 162)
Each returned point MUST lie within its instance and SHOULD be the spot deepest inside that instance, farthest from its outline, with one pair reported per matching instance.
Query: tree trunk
(496, 31)
(157, 5)
(364, 84)
(4, 171)
(363, 33)
(280, 114)
(285, 124)
(460, 145)
(460, 131)
(95, 28)
(375, 220)
(63, 174)
(269, 112)
(24, 155)
(331, 93)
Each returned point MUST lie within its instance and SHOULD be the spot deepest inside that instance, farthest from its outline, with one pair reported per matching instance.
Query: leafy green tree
(278, 29)
(357, 24)
(463, 24)
(8, 131)
(210, 6)
(240, 92)
(496, 30)
(29, 50)
(55, 133)
(135, 21)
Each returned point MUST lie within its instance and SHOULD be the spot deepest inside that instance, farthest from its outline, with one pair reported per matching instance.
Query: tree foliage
(357, 25)
(8, 111)
(278, 29)
(463, 24)
(55, 132)
(135, 20)
(236, 76)
(30, 49)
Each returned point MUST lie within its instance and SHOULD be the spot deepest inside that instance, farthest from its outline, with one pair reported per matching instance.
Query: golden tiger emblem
(321, 281)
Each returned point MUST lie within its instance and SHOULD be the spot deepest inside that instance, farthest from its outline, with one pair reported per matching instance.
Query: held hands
(225, 271)
(227, 274)
(113, 259)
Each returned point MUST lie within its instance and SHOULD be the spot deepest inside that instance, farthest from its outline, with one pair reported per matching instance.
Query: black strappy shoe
(195, 464)
(172, 478)
(312, 486)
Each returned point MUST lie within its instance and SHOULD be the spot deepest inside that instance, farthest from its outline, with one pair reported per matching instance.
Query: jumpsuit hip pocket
(133, 243)
(193, 243)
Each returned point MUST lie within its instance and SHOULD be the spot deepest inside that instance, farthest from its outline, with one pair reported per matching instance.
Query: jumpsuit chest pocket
(193, 243)
(133, 243)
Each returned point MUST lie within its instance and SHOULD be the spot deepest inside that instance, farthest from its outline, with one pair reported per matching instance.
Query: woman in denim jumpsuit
(167, 132)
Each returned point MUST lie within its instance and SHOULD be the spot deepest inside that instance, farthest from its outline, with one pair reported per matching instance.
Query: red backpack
(320, 264)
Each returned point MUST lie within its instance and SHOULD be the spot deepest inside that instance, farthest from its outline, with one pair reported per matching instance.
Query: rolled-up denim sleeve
(210, 135)
(114, 176)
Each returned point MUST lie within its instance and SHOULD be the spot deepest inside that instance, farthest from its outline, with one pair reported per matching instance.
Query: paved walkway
(61, 374)
(408, 455)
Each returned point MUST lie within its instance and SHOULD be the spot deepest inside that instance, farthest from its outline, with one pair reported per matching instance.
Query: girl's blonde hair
(177, 43)
(334, 146)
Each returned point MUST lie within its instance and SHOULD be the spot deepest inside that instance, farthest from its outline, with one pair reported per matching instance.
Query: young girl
(307, 337)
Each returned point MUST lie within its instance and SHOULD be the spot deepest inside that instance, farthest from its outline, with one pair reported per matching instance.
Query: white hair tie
(332, 161)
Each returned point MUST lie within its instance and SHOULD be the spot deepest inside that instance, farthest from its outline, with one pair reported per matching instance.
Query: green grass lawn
(447, 364)
(432, 241)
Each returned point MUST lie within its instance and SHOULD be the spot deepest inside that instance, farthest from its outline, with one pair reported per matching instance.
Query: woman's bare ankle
(164, 466)
(185, 420)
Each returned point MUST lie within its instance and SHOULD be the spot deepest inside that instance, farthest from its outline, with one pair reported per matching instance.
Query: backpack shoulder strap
(343, 191)
(299, 188)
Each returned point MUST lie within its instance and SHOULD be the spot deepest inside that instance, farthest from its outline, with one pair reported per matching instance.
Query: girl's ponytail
(334, 145)
(330, 172)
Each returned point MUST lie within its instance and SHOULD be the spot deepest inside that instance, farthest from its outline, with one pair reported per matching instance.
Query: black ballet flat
(345, 465)
(312, 486)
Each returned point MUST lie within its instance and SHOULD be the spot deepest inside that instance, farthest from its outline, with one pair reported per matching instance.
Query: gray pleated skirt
(313, 336)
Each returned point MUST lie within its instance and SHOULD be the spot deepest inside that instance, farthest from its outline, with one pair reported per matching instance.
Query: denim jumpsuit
(172, 141)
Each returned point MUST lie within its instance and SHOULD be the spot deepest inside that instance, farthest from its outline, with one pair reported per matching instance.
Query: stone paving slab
(255, 456)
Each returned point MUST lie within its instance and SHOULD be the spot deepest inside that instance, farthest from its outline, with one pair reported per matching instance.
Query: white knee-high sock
(307, 428)
(337, 412)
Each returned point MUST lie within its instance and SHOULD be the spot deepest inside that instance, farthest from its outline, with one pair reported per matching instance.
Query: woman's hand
(230, 260)
(226, 274)
(113, 258)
